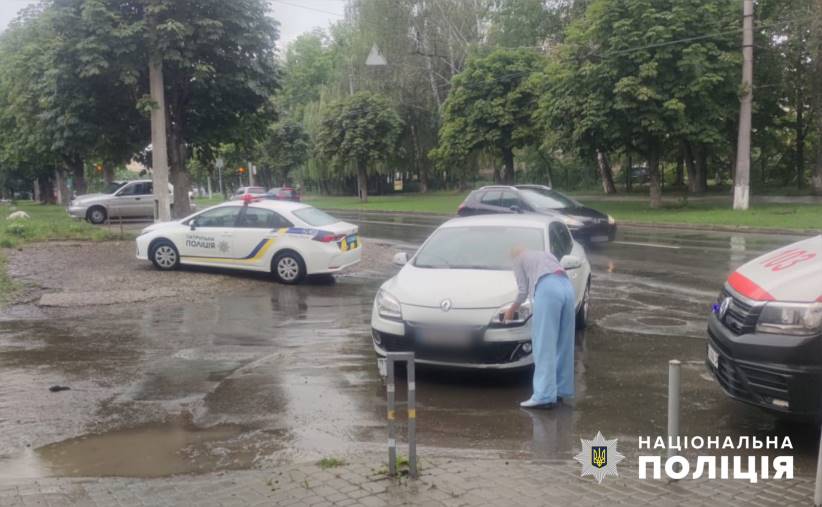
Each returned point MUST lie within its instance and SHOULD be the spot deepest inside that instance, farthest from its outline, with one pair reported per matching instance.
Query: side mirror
(516, 209)
(401, 259)
(193, 224)
(570, 262)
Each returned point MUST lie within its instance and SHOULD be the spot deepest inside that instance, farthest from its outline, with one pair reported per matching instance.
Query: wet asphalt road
(280, 373)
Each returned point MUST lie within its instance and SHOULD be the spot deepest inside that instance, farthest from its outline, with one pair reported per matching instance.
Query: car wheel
(584, 308)
(165, 256)
(288, 268)
(97, 215)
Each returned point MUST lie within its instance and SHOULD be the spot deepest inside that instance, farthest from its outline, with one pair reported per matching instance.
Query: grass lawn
(773, 216)
(46, 223)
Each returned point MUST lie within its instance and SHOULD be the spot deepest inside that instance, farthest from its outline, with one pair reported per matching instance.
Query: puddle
(148, 451)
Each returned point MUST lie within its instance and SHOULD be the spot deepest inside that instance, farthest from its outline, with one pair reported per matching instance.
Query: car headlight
(611, 220)
(520, 317)
(572, 222)
(798, 319)
(388, 306)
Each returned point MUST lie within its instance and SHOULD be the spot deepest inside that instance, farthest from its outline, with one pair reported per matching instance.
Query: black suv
(586, 224)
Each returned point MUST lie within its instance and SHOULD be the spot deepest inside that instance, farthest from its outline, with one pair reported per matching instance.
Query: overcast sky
(295, 16)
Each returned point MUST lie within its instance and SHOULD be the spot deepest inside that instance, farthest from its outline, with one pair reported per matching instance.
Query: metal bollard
(390, 385)
(673, 402)
(817, 495)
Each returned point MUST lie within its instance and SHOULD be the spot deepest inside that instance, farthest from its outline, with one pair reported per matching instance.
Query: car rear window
(315, 217)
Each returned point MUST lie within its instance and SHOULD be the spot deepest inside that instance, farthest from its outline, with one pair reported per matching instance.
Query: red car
(283, 194)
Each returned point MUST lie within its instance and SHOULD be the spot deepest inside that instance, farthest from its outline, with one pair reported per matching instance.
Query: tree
(284, 149)
(490, 107)
(362, 130)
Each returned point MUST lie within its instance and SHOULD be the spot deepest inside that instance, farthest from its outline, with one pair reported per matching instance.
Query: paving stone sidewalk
(443, 482)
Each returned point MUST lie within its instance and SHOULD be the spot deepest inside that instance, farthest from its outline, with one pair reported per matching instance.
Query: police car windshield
(481, 247)
(547, 199)
(315, 217)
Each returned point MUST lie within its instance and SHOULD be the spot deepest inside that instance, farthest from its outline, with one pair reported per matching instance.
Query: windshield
(547, 199)
(315, 217)
(113, 187)
(477, 247)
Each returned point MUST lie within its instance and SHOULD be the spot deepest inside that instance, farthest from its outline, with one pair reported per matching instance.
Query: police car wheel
(584, 308)
(165, 256)
(288, 268)
(97, 215)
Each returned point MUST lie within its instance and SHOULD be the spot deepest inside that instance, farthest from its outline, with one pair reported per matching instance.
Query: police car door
(256, 234)
(207, 239)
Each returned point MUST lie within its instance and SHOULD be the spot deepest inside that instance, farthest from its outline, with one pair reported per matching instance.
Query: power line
(314, 9)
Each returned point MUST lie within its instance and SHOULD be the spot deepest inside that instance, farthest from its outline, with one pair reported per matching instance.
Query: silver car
(120, 199)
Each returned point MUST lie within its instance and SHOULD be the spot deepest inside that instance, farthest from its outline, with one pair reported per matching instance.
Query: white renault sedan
(290, 240)
(446, 303)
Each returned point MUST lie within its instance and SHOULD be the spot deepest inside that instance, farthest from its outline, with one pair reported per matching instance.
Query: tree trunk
(653, 175)
(690, 167)
(606, 174)
(46, 189)
(77, 169)
(497, 176)
(679, 174)
(159, 139)
(108, 174)
(362, 181)
(696, 156)
(629, 173)
(61, 187)
(179, 175)
(508, 160)
(799, 150)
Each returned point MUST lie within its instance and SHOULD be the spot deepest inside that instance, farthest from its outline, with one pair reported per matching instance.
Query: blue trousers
(552, 336)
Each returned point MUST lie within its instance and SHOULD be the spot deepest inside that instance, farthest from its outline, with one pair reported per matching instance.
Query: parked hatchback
(586, 224)
(120, 199)
(445, 304)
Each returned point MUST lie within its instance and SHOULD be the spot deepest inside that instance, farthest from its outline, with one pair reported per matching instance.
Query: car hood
(792, 274)
(160, 226)
(466, 288)
(584, 213)
(87, 198)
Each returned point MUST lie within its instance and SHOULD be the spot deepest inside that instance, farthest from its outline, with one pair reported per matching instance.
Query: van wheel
(288, 267)
(584, 308)
(164, 255)
(97, 215)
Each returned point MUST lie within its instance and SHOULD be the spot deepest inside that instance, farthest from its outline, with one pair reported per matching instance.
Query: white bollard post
(673, 402)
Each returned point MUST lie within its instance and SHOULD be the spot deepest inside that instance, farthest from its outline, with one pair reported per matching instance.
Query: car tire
(584, 308)
(288, 267)
(97, 215)
(164, 255)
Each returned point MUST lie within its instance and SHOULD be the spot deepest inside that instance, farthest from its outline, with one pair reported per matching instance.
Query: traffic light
(242, 170)
(99, 168)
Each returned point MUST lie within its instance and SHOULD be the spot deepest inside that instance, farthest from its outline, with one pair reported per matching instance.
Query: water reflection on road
(280, 373)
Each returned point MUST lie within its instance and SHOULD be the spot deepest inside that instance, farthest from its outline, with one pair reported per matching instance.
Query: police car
(765, 332)
(288, 239)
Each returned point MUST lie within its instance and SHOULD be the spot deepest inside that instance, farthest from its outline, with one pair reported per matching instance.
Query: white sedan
(289, 240)
(446, 303)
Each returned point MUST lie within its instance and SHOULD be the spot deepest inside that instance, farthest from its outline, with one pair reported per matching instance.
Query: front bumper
(779, 373)
(594, 233)
(490, 349)
(77, 211)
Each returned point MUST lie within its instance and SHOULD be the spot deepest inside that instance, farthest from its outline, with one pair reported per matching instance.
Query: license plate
(599, 239)
(444, 337)
(713, 357)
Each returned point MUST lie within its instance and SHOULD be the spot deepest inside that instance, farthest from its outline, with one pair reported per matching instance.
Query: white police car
(290, 240)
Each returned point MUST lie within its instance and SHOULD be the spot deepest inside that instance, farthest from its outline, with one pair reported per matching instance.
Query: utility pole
(159, 146)
(742, 183)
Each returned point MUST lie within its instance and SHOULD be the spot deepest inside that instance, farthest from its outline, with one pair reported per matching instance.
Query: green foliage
(361, 130)
(330, 462)
(490, 108)
(284, 149)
